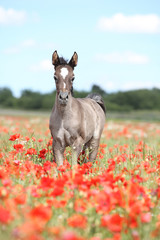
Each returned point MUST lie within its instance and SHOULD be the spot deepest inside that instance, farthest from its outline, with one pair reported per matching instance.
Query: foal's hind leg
(93, 146)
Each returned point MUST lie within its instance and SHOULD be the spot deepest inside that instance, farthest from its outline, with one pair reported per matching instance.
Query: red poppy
(47, 182)
(113, 222)
(27, 138)
(77, 220)
(2, 173)
(57, 191)
(80, 205)
(31, 151)
(20, 199)
(14, 137)
(41, 212)
(5, 216)
(18, 147)
(1, 154)
(68, 235)
(146, 217)
(42, 153)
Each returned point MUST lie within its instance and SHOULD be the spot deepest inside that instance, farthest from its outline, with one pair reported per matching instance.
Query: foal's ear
(55, 59)
(74, 60)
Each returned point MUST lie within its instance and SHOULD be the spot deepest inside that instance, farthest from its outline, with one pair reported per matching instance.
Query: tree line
(142, 99)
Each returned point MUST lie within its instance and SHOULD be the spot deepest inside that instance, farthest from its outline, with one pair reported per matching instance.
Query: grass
(138, 115)
(118, 197)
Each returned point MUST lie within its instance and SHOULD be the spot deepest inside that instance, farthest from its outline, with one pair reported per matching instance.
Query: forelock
(63, 61)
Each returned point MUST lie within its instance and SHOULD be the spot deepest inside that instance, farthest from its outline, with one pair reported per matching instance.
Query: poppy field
(117, 197)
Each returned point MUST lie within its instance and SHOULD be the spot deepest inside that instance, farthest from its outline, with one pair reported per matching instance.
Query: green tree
(30, 100)
(5, 93)
(98, 89)
(6, 98)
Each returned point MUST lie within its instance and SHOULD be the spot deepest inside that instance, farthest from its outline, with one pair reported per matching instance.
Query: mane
(72, 93)
(63, 61)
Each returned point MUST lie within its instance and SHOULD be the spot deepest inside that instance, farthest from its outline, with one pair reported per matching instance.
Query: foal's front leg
(76, 149)
(58, 152)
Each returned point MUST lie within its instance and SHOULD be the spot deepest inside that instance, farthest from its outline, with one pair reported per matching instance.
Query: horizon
(118, 43)
(83, 90)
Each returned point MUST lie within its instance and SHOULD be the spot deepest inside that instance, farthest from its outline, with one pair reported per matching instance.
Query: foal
(75, 122)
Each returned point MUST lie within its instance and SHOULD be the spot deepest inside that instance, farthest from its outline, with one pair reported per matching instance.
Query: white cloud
(28, 43)
(11, 50)
(11, 16)
(130, 24)
(44, 65)
(135, 85)
(113, 84)
(16, 49)
(125, 57)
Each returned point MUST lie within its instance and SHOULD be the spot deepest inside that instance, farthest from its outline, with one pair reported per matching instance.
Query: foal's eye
(72, 79)
(55, 78)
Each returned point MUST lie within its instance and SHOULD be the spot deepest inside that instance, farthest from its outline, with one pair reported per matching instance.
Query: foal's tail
(98, 98)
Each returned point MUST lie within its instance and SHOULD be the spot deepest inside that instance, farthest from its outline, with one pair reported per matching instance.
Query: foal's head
(64, 76)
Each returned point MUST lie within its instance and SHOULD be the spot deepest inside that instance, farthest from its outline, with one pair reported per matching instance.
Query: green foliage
(98, 89)
(30, 100)
(48, 100)
(138, 99)
(143, 99)
(80, 94)
(5, 93)
(6, 98)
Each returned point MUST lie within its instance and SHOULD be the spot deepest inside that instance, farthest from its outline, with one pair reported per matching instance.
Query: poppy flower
(57, 191)
(77, 221)
(14, 137)
(41, 212)
(68, 235)
(31, 151)
(80, 205)
(113, 222)
(1, 155)
(5, 216)
(47, 182)
(20, 199)
(19, 147)
(2, 173)
(42, 153)
(146, 217)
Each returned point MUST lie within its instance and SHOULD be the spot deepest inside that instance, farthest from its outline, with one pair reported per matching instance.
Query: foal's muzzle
(63, 97)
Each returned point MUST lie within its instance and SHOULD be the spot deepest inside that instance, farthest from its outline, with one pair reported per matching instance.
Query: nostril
(63, 96)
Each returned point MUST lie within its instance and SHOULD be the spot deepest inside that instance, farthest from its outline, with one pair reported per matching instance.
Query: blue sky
(118, 43)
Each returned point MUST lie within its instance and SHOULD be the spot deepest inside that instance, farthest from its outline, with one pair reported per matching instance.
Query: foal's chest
(66, 132)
